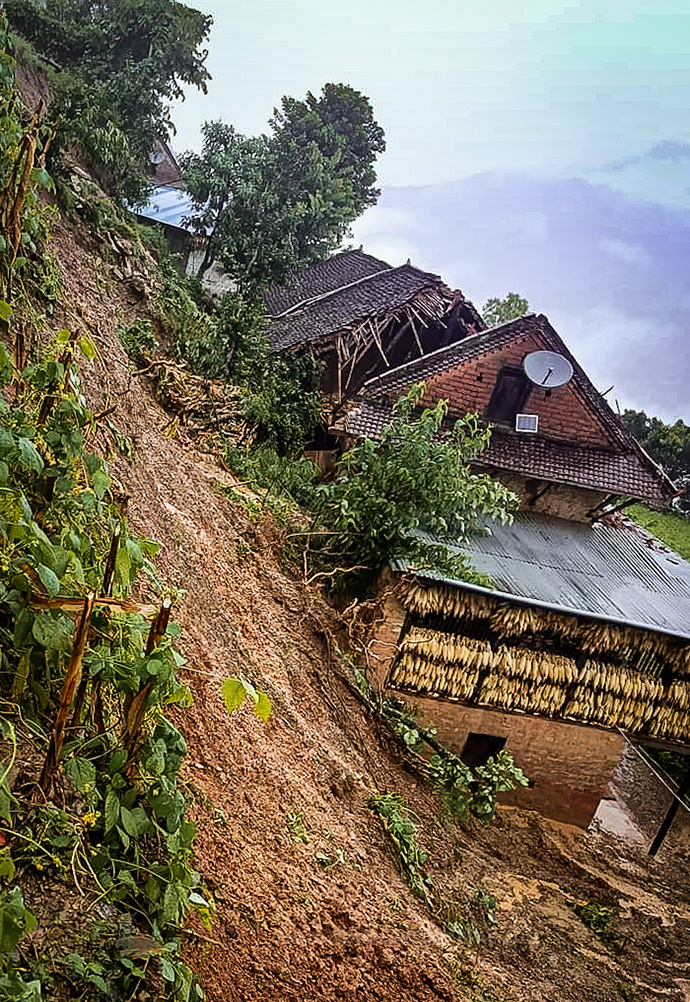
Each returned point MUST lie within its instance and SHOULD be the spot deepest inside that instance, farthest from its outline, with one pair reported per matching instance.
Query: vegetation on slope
(672, 528)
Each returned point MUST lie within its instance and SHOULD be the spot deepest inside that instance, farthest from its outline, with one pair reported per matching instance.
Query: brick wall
(561, 500)
(563, 413)
(569, 765)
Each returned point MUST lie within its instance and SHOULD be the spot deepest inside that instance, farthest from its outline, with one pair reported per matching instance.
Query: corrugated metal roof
(169, 205)
(602, 571)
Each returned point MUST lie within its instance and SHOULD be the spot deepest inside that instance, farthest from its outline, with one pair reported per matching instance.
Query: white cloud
(628, 253)
(632, 353)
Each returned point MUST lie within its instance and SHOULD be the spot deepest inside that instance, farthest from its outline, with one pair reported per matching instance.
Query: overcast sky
(461, 87)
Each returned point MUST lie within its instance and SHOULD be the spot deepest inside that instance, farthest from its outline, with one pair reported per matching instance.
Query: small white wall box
(527, 422)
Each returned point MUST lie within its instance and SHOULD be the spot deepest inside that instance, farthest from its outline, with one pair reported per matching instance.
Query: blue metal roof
(601, 571)
(169, 206)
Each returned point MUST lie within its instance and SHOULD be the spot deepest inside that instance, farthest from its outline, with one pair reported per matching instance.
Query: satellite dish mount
(547, 369)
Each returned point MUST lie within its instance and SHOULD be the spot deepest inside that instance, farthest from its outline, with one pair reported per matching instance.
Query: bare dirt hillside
(309, 903)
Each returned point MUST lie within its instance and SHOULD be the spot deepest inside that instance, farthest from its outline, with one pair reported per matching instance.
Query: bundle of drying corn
(679, 658)
(619, 681)
(667, 722)
(537, 666)
(448, 647)
(440, 601)
(413, 671)
(515, 620)
(608, 710)
(678, 695)
(523, 694)
(602, 637)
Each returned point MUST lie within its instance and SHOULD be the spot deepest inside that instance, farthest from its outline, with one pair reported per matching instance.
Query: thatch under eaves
(584, 624)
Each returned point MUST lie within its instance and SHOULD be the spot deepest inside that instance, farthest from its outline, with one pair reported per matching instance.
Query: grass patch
(671, 528)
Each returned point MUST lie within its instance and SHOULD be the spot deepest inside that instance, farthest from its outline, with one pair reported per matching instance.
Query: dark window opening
(479, 748)
(509, 396)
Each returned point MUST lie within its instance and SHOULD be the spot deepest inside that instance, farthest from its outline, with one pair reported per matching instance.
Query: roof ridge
(349, 285)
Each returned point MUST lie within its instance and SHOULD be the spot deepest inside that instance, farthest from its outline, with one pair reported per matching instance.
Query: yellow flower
(90, 818)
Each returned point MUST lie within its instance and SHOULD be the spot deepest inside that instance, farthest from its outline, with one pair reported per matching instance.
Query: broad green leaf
(7, 868)
(6, 441)
(23, 627)
(167, 969)
(82, 772)
(87, 348)
(112, 810)
(49, 580)
(101, 483)
(63, 336)
(29, 459)
(233, 693)
(128, 822)
(53, 633)
(117, 761)
(263, 706)
(6, 311)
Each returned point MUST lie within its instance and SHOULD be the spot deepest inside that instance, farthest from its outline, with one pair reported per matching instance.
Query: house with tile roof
(576, 459)
(582, 641)
(363, 318)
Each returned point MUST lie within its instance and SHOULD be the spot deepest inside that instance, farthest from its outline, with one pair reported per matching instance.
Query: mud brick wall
(383, 643)
(569, 765)
(563, 413)
(561, 500)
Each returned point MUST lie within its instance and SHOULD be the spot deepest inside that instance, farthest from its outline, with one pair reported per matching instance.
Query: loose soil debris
(331, 918)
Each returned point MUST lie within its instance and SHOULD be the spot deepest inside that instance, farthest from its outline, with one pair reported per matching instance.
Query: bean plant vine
(90, 793)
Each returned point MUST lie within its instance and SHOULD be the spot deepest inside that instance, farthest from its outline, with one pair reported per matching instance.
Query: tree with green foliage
(417, 476)
(268, 205)
(500, 311)
(123, 63)
(286, 406)
(667, 444)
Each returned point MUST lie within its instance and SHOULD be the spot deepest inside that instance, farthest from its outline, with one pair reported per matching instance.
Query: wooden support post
(110, 563)
(69, 688)
(135, 706)
(107, 584)
(672, 811)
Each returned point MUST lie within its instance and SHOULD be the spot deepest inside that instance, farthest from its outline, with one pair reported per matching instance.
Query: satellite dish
(547, 369)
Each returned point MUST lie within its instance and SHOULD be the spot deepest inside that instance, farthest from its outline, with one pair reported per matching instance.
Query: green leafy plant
(600, 920)
(401, 829)
(417, 476)
(267, 205)
(296, 827)
(471, 793)
(57, 533)
(236, 690)
(23, 141)
(500, 311)
(122, 66)
(139, 340)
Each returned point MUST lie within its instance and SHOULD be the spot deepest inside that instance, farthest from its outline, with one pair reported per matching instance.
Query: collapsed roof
(367, 315)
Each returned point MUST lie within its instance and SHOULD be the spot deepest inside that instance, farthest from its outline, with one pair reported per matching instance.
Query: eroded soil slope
(309, 902)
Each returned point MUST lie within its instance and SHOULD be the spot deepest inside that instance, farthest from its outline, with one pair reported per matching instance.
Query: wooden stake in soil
(107, 582)
(135, 706)
(69, 688)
